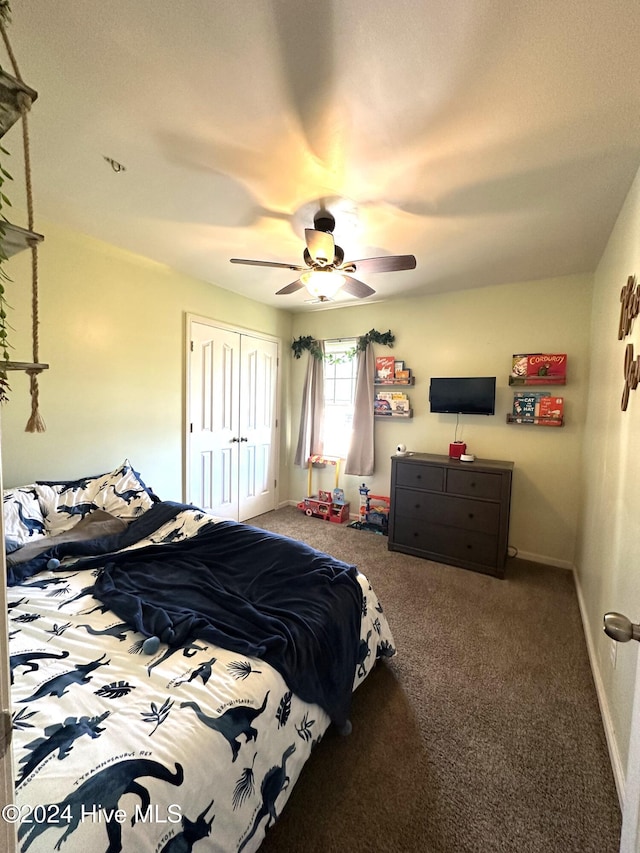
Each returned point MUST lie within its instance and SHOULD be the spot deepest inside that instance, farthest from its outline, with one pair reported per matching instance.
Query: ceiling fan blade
(321, 246)
(356, 288)
(266, 264)
(390, 263)
(290, 288)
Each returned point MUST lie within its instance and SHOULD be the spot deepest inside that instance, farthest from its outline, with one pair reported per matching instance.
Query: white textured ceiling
(494, 139)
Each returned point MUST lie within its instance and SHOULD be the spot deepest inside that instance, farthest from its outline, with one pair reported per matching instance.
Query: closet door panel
(258, 380)
(214, 396)
(232, 421)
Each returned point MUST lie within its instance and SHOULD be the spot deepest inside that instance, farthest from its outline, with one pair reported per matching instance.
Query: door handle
(234, 439)
(620, 628)
(243, 438)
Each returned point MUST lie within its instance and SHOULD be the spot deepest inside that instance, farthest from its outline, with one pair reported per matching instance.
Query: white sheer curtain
(361, 452)
(312, 412)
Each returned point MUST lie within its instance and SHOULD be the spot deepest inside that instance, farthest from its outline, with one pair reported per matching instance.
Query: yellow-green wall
(112, 329)
(475, 333)
(608, 546)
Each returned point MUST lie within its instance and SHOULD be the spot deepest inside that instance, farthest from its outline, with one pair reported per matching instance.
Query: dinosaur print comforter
(190, 747)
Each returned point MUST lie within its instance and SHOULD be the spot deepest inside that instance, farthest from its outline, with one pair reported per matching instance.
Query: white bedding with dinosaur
(190, 748)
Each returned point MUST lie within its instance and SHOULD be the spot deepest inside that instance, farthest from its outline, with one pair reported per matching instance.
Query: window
(339, 394)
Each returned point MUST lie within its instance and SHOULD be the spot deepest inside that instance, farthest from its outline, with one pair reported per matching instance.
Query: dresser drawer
(437, 543)
(464, 513)
(420, 476)
(477, 484)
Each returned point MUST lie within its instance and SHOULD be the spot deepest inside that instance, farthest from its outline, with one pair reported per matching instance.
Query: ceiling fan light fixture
(322, 283)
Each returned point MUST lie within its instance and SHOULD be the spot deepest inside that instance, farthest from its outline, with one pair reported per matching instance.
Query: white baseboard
(607, 721)
(542, 558)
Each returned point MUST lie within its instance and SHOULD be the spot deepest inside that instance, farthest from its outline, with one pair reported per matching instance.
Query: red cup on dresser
(457, 449)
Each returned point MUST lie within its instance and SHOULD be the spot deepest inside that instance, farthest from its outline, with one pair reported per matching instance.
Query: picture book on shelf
(392, 403)
(538, 407)
(385, 368)
(538, 369)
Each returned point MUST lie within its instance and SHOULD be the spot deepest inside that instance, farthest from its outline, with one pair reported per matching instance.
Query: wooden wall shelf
(535, 383)
(394, 383)
(10, 88)
(16, 239)
(535, 421)
(395, 416)
(22, 365)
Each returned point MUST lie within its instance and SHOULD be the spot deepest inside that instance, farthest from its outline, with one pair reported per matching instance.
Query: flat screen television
(466, 395)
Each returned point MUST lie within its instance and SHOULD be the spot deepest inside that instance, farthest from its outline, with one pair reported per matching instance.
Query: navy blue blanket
(247, 590)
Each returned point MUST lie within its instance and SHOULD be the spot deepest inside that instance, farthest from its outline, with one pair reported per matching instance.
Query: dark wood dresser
(450, 511)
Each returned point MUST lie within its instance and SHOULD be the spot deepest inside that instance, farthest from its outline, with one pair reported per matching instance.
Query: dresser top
(441, 459)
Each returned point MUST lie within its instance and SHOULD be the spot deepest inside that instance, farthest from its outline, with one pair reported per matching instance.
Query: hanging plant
(5, 18)
(4, 324)
(23, 99)
(310, 344)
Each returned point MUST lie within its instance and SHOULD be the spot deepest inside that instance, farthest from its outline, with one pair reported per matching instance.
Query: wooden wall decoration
(629, 310)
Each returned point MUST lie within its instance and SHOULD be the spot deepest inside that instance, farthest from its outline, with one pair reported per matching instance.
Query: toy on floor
(374, 512)
(330, 506)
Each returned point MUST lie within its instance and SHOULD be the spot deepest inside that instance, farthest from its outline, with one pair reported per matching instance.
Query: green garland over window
(372, 337)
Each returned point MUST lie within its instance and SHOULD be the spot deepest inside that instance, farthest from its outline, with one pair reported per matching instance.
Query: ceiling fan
(325, 271)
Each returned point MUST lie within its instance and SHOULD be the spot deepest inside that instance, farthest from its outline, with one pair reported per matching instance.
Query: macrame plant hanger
(35, 422)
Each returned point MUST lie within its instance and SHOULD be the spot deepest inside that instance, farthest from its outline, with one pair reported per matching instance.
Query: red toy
(330, 506)
(329, 511)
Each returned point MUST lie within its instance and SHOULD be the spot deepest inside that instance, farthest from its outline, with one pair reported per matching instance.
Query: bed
(171, 671)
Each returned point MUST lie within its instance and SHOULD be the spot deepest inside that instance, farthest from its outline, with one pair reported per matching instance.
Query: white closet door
(258, 372)
(214, 396)
(232, 421)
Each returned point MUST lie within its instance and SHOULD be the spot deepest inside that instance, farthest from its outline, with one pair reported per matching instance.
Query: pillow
(94, 526)
(121, 493)
(11, 545)
(23, 517)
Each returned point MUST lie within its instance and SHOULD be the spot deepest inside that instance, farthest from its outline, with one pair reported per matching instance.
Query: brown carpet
(483, 734)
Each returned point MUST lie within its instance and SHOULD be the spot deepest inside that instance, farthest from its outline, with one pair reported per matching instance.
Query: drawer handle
(418, 476)
(473, 485)
(470, 515)
(417, 506)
